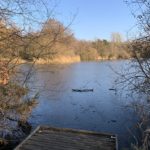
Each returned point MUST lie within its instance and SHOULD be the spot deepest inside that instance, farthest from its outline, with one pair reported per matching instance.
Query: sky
(96, 18)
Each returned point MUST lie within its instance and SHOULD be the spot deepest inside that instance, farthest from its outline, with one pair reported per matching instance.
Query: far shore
(60, 60)
(70, 59)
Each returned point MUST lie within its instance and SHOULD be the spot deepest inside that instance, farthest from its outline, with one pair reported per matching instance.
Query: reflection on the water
(101, 110)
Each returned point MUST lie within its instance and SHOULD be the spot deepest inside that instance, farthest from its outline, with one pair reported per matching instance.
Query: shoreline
(65, 60)
(59, 60)
(62, 60)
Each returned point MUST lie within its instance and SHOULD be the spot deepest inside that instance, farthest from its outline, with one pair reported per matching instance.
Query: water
(102, 110)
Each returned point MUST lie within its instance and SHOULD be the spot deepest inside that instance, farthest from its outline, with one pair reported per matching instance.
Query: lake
(102, 110)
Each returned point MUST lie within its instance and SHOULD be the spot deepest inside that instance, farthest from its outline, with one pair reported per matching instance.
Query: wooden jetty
(51, 138)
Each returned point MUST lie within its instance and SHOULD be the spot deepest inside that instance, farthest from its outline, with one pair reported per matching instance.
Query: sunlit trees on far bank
(114, 49)
(55, 40)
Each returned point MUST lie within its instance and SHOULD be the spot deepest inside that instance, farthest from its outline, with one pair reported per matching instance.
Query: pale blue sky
(96, 18)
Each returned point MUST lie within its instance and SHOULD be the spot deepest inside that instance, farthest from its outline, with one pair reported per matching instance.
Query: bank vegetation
(35, 45)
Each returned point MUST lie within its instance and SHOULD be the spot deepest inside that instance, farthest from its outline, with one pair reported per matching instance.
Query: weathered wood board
(50, 138)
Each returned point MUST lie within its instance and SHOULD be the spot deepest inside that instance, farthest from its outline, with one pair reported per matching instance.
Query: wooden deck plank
(50, 138)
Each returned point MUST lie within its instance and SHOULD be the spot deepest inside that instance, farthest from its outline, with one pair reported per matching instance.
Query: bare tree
(140, 46)
(20, 23)
(137, 76)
